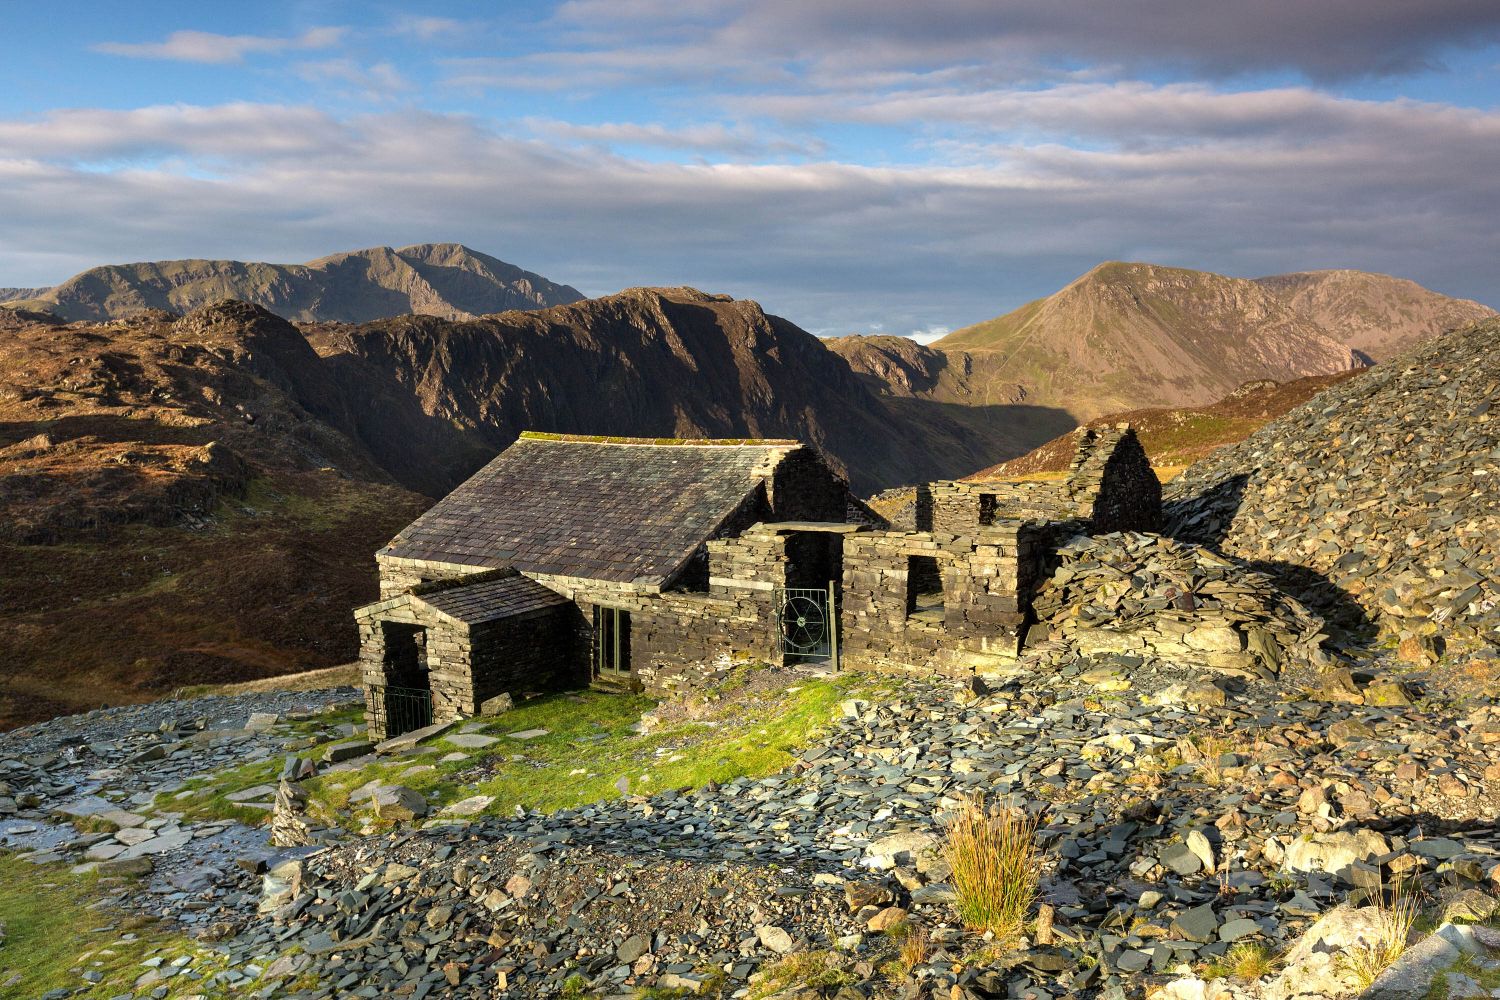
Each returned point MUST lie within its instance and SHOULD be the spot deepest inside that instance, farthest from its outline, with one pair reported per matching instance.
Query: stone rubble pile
(1388, 485)
(1146, 595)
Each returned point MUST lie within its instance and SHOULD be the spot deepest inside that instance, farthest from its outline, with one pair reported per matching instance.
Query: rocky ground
(1379, 495)
(1182, 815)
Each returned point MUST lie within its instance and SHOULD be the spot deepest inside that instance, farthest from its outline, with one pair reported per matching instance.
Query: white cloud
(930, 334)
(738, 140)
(377, 82)
(1403, 188)
(427, 29)
(207, 47)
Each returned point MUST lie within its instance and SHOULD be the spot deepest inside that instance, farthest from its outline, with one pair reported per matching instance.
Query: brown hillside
(171, 513)
(1125, 336)
(1131, 336)
(1377, 315)
(1176, 437)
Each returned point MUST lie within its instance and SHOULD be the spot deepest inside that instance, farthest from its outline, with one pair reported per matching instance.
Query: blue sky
(878, 165)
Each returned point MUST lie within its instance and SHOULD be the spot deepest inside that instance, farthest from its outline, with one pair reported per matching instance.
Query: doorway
(611, 642)
(405, 702)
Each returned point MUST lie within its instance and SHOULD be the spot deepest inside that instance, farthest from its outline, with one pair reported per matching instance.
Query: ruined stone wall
(987, 575)
(959, 507)
(1110, 485)
(803, 488)
(1111, 482)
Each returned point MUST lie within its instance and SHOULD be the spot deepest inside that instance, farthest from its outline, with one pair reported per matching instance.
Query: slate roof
(491, 599)
(616, 509)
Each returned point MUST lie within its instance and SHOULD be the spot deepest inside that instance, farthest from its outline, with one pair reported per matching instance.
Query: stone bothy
(652, 564)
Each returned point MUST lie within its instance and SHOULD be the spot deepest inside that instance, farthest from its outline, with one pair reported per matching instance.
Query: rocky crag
(435, 279)
(1380, 492)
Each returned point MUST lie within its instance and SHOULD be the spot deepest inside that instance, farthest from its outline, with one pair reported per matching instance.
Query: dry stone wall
(987, 576)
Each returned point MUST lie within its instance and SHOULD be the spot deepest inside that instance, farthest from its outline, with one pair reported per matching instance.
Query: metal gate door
(807, 619)
(399, 710)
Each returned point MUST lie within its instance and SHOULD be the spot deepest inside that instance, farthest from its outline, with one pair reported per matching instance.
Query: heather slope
(440, 279)
(1175, 437)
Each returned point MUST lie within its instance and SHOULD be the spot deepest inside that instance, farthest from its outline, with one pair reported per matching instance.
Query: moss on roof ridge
(659, 442)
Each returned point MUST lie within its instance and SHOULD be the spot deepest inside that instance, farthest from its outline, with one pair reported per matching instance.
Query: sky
(863, 166)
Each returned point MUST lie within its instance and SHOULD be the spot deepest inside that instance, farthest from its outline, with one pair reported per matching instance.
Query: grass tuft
(995, 863)
(1394, 921)
(1246, 961)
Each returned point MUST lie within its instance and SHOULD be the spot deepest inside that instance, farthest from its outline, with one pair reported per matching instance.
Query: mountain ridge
(355, 286)
(1126, 336)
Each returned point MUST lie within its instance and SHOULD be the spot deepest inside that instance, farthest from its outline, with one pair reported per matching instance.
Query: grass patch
(55, 933)
(995, 864)
(590, 744)
(206, 797)
(1246, 961)
(809, 970)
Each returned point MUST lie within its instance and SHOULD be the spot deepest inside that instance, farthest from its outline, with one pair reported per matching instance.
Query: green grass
(735, 731)
(1466, 965)
(54, 934)
(207, 797)
(590, 732)
(60, 926)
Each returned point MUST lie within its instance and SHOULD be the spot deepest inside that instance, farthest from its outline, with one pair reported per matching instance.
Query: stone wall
(804, 488)
(675, 636)
(446, 665)
(541, 651)
(463, 665)
(987, 578)
(1110, 486)
(1111, 482)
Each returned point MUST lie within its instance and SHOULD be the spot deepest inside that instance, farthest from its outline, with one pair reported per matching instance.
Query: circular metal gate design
(804, 625)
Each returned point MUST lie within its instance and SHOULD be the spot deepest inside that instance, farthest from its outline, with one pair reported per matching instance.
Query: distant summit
(435, 279)
(1125, 336)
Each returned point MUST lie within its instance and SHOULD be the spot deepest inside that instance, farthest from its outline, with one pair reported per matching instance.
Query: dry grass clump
(915, 948)
(1394, 922)
(1246, 961)
(996, 865)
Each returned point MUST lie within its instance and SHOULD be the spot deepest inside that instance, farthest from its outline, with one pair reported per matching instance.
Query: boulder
(399, 803)
(1335, 853)
(498, 705)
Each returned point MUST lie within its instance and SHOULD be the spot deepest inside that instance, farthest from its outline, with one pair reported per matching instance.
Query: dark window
(987, 504)
(611, 641)
(924, 589)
